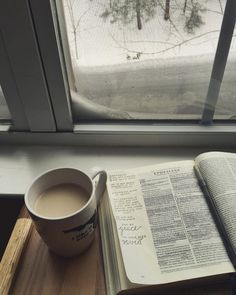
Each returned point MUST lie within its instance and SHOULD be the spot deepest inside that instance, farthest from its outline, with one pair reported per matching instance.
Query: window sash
(24, 60)
(9, 88)
(46, 27)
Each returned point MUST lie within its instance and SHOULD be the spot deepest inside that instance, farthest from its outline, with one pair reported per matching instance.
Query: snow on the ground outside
(100, 42)
(173, 81)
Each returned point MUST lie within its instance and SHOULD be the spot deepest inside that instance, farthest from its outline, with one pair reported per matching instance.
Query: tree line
(126, 11)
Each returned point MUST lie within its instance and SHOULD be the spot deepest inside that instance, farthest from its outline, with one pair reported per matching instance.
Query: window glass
(143, 59)
(4, 112)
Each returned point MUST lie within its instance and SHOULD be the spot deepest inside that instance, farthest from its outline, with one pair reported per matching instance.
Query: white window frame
(50, 48)
(24, 60)
(8, 83)
(40, 88)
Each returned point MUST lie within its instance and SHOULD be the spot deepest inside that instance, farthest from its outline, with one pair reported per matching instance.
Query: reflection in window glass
(144, 59)
(4, 112)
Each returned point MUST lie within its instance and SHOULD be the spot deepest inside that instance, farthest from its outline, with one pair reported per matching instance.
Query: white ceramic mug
(72, 234)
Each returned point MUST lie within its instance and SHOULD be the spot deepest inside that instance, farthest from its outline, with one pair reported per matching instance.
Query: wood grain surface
(43, 273)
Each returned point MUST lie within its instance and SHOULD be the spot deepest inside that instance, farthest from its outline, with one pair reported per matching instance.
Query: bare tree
(70, 4)
(138, 14)
(185, 6)
(75, 23)
(167, 10)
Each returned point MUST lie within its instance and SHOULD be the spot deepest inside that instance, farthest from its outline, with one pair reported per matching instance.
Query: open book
(159, 228)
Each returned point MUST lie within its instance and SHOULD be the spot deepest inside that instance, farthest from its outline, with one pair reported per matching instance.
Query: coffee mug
(71, 234)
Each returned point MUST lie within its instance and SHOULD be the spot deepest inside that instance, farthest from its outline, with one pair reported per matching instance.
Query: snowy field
(98, 41)
(159, 71)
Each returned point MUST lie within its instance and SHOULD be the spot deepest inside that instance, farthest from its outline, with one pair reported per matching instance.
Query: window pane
(142, 59)
(4, 112)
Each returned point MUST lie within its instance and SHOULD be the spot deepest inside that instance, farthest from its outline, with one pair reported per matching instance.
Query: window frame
(52, 55)
(9, 88)
(24, 60)
(136, 135)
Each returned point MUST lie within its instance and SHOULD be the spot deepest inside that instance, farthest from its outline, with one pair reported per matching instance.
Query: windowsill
(20, 164)
(143, 134)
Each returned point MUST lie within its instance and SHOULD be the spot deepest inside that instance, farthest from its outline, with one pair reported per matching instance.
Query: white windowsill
(129, 134)
(20, 164)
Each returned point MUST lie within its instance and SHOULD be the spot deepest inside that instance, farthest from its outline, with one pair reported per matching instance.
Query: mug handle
(101, 184)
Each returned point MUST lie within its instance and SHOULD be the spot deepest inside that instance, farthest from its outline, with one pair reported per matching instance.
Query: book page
(219, 172)
(165, 229)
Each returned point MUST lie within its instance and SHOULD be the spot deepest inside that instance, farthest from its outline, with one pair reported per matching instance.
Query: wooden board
(42, 272)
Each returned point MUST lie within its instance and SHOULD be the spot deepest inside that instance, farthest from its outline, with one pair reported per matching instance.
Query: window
(146, 59)
(100, 66)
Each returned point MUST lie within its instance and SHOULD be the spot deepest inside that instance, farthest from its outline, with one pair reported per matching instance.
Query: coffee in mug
(63, 205)
(61, 200)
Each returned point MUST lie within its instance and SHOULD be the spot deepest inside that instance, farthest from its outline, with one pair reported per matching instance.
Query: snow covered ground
(160, 71)
(100, 42)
